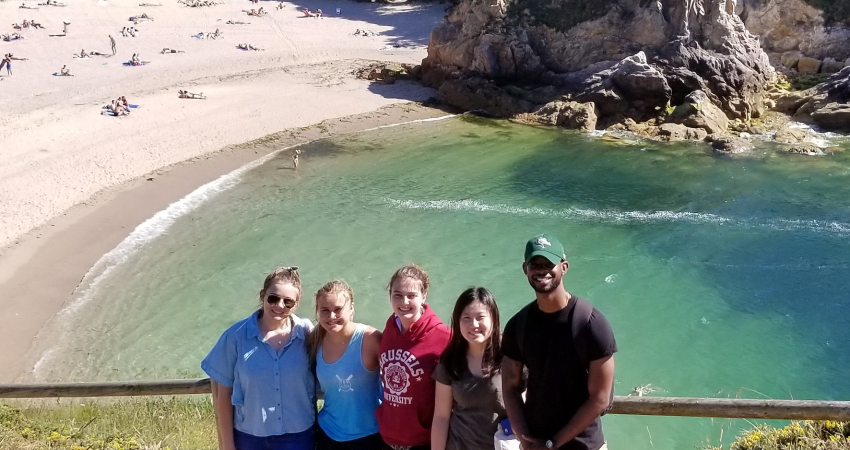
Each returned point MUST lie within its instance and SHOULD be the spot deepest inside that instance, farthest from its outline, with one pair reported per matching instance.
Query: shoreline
(46, 265)
(74, 183)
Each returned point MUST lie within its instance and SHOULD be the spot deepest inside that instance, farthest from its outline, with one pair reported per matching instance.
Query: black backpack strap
(521, 323)
(581, 318)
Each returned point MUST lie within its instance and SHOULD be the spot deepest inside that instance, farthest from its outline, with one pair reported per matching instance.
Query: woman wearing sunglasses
(264, 393)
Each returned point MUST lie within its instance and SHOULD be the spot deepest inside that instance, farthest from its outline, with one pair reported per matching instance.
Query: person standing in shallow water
(264, 393)
(295, 158)
(412, 341)
(469, 402)
(344, 355)
(568, 348)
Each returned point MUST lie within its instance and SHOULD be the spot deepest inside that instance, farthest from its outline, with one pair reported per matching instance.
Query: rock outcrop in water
(826, 105)
(621, 59)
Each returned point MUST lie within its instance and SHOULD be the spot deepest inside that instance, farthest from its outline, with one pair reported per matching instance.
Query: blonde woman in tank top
(345, 355)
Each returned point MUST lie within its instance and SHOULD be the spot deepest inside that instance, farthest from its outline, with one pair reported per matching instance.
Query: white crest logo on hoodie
(396, 378)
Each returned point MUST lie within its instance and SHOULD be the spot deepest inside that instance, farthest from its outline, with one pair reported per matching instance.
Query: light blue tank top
(352, 393)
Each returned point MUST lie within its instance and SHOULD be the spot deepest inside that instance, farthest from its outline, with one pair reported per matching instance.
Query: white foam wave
(624, 217)
(432, 119)
(143, 234)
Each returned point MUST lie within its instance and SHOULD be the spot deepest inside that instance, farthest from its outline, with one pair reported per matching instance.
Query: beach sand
(74, 183)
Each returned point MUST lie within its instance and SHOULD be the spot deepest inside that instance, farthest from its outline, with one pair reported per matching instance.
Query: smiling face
(278, 311)
(334, 311)
(407, 298)
(476, 323)
(544, 276)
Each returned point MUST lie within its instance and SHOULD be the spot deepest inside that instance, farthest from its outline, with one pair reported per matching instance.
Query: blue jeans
(292, 441)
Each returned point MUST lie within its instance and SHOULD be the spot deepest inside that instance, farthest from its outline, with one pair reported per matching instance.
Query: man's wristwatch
(549, 444)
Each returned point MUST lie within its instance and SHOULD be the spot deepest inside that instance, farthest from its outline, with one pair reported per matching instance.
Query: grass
(808, 435)
(156, 423)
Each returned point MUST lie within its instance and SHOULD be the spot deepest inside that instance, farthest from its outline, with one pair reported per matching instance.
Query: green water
(722, 277)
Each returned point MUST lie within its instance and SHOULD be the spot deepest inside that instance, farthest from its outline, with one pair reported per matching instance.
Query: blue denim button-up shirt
(274, 392)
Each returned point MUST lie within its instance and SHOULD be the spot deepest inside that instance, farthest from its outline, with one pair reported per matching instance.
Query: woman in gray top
(469, 405)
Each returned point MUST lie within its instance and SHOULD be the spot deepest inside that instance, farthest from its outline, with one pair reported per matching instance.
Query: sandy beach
(74, 183)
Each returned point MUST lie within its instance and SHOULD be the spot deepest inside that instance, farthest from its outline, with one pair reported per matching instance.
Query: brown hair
(286, 275)
(318, 334)
(411, 271)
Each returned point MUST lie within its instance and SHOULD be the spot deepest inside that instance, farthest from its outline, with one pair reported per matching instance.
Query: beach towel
(57, 74)
(128, 63)
(198, 36)
(134, 106)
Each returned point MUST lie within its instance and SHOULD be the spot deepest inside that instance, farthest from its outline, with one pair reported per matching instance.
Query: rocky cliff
(630, 59)
(817, 28)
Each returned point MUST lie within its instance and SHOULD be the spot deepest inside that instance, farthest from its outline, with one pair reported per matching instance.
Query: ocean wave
(136, 240)
(625, 217)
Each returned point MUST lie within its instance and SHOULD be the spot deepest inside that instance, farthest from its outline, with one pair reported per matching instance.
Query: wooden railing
(648, 406)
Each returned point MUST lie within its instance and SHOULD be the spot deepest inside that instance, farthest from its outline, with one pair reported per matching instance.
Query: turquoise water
(722, 277)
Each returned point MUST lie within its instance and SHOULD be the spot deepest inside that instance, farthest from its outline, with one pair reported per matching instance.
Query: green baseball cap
(547, 246)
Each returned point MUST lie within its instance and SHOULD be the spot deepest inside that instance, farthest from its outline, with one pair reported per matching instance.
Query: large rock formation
(631, 58)
(797, 25)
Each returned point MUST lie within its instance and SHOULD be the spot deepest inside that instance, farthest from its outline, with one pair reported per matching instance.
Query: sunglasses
(274, 300)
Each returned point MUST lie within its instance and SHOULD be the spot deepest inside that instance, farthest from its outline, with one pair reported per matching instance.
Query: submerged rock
(728, 144)
(804, 149)
(676, 132)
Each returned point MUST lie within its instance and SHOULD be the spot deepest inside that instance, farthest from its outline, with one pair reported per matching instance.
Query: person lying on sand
(24, 6)
(36, 25)
(170, 50)
(140, 18)
(150, 4)
(248, 47)
(236, 22)
(186, 94)
(307, 13)
(51, 3)
(11, 37)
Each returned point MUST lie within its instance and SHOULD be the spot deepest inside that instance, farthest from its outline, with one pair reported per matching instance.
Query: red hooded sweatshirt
(407, 361)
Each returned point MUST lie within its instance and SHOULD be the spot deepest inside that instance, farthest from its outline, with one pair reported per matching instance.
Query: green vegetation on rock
(804, 81)
(560, 15)
(808, 435)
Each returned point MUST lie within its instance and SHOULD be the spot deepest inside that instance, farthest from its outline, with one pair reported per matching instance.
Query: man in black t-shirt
(569, 357)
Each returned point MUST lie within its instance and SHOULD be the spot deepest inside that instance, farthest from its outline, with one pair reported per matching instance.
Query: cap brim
(553, 258)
